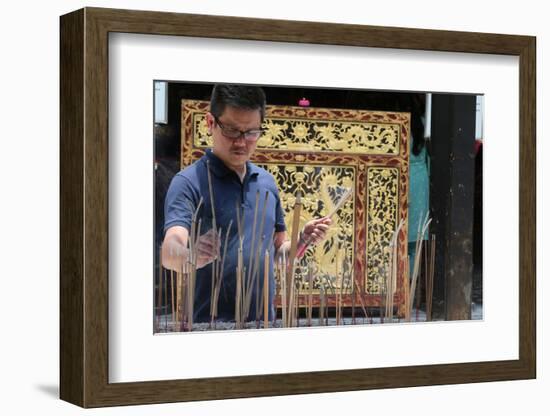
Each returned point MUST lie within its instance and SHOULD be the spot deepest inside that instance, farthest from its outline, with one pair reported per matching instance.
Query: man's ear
(209, 121)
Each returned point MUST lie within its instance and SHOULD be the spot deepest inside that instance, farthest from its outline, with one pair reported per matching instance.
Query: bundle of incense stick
(345, 196)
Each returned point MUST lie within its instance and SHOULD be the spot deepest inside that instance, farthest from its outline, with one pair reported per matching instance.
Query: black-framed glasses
(234, 134)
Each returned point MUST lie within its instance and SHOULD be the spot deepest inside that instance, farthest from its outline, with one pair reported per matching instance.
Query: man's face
(234, 152)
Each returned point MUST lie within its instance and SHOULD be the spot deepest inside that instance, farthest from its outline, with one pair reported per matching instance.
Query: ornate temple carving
(321, 152)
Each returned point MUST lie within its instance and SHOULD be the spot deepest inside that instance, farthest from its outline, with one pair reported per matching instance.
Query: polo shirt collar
(219, 169)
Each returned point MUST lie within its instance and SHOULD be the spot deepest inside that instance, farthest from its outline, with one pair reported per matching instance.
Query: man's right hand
(175, 253)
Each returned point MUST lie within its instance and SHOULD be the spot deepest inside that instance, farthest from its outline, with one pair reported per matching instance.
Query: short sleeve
(179, 204)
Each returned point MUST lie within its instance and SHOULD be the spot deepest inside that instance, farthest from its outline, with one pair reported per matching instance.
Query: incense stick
(391, 285)
(238, 213)
(195, 233)
(266, 289)
(331, 286)
(365, 315)
(283, 290)
(166, 301)
(252, 281)
(343, 288)
(256, 287)
(251, 257)
(341, 201)
(338, 283)
(239, 267)
(430, 278)
(159, 297)
(238, 288)
(347, 194)
(172, 297)
(215, 228)
(220, 273)
(260, 246)
(310, 297)
(256, 266)
(291, 295)
(192, 263)
(292, 254)
(322, 306)
(406, 278)
(419, 241)
(384, 297)
(277, 287)
(352, 278)
(297, 286)
(178, 299)
(185, 284)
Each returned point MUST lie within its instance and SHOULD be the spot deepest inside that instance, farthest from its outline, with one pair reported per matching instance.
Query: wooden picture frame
(84, 207)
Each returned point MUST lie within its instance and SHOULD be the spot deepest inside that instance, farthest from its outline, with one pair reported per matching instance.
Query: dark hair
(238, 96)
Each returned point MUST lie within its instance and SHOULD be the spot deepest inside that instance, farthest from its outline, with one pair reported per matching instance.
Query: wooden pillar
(452, 201)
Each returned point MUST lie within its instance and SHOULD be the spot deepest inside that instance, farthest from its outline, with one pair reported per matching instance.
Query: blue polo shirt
(183, 196)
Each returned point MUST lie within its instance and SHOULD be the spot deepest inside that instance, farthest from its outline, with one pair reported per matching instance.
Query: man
(234, 122)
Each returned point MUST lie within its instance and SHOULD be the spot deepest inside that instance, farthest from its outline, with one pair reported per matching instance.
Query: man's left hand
(315, 230)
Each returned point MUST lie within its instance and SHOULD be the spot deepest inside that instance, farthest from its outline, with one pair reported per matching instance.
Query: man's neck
(241, 173)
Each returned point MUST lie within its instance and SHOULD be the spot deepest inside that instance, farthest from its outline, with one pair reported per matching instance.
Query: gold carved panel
(321, 152)
(305, 135)
(382, 220)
